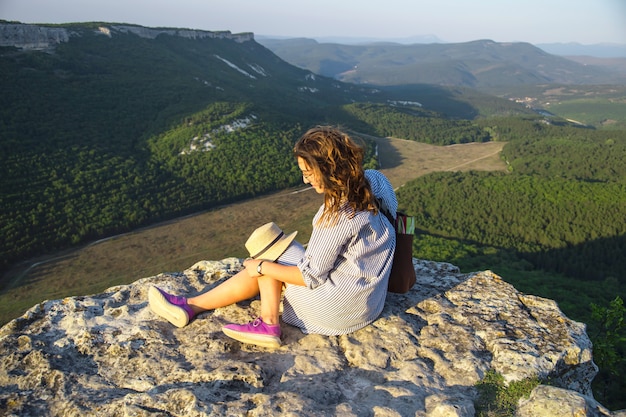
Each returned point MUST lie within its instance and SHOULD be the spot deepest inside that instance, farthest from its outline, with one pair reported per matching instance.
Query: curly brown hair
(337, 160)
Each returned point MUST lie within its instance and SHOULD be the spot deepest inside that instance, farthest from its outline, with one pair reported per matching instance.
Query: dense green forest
(414, 123)
(553, 226)
(60, 196)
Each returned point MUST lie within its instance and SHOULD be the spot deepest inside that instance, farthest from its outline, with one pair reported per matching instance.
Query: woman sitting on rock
(339, 284)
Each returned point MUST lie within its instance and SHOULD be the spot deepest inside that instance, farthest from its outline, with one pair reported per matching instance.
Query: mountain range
(599, 50)
(477, 64)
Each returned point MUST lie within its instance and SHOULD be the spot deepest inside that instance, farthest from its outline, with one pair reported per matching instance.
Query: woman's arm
(284, 273)
(326, 245)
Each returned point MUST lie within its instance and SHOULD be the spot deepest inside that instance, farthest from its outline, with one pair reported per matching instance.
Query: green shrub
(495, 399)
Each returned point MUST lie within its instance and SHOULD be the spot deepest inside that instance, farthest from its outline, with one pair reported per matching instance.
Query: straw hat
(268, 242)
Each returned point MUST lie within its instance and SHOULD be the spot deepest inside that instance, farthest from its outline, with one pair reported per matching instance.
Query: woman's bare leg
(241, 287)
(270, 290)
(237, 288)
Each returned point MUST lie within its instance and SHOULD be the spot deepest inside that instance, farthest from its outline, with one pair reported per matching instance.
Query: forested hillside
(414, 123)
(566, 191)
(477, 64)
(554, 225)
(85, 134)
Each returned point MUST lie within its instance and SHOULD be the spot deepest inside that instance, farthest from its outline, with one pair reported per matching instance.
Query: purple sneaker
(171, 307)
(256, 333)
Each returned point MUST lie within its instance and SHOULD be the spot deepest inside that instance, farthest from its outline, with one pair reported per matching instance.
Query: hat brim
(277, 248)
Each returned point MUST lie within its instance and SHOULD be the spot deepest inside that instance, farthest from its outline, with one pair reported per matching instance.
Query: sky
(535, 21)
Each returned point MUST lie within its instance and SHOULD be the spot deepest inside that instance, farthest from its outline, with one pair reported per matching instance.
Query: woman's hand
(252, 266)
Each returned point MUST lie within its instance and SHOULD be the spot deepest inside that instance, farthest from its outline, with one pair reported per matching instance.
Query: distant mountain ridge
(352, 40)
(599, 50)
(476, 64)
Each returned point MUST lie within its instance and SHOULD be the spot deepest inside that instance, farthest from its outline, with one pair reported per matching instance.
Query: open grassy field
(600, 106)
(217, 234)
(597, 112)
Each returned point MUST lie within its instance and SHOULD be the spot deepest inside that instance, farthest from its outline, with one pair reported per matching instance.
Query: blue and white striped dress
(346, 268)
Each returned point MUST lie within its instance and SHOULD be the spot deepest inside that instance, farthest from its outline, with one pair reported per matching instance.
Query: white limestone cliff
(31, 36)
(152, 33)
(109, 355)
(36, 37)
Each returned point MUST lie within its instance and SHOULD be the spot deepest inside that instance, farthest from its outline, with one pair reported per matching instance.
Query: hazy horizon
(448, 21)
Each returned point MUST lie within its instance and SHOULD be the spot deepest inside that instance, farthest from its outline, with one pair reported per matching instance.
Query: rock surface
(109, 355)
(31, 36)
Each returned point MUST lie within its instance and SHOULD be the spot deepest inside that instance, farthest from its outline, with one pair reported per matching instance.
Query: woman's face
(309, 177)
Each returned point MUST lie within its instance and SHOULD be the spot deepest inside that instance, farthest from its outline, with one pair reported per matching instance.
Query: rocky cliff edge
(109, 355)
(36, 37)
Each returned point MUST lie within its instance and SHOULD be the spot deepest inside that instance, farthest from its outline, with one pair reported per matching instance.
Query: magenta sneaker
(256, 333)
(171, 307)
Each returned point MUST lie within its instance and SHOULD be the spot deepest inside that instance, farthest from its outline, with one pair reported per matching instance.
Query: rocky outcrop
(36, 37)
(151, 33)
(31, 36)
(109, 355)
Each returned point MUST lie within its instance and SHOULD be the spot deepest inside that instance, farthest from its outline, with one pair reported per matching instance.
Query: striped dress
(346, 268)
